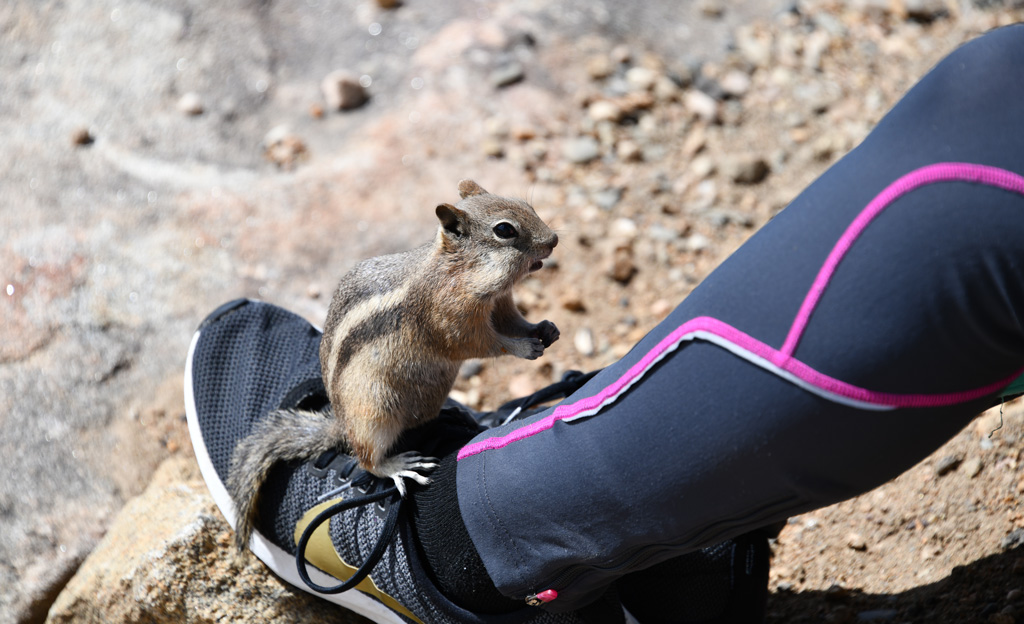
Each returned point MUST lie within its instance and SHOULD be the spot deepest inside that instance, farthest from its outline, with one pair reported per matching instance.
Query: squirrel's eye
(505, 230)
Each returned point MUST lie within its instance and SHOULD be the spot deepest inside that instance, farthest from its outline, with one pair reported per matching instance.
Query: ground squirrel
(397, 330)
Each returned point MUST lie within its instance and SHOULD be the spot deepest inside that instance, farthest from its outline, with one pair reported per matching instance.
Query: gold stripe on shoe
(321, 553)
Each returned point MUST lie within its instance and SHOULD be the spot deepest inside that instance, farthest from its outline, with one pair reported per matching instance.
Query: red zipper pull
(536, 600)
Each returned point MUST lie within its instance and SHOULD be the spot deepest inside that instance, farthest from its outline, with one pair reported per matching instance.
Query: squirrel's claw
(408, 465)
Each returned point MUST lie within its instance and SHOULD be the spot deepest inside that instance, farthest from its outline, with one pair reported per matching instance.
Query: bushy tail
(283, 435)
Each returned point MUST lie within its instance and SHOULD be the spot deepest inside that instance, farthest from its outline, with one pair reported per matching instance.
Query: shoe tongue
(308, 393)
(452, 428)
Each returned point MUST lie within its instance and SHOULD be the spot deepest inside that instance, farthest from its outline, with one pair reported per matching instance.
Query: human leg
(757, 398)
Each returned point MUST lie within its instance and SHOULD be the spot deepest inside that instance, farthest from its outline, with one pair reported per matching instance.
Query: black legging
(850, 337)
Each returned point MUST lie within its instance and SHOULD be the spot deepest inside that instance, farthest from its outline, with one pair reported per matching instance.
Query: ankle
(449, 555)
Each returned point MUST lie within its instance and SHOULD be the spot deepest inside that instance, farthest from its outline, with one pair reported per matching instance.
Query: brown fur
(397, 330)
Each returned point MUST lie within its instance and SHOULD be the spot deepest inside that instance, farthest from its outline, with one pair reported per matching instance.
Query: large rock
(128, 210)
(168, 558)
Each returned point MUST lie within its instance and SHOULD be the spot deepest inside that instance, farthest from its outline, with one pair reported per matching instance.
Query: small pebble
(666, 88)
(661, 233)
(696, 242)
(1013, 540)
(191, 104)
(661, 308)
(856, 541)
(825, 146)
(623, 228)
(972, 467)
(745, 168)
(81, 137)
(947, 465)
(492, 147)
(342, 91)
(584, 342)
(606, 199)
(641, 78)
(523, 133)
(572, 301)
(702, 167)
(508, 74)
(756, 49)
(702, 105)
(628, 151)
(712, 8)
(284, 148)
(581, 150)
(815, 47)
(471, 368)
(496, 127)
(721, 217)
(605, 110)
(735, 83)
(600, 67)
(459, 397)
(622, 267)
(925, 10)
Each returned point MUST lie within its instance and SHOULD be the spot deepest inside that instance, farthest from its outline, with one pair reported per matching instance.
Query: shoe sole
(272, 555)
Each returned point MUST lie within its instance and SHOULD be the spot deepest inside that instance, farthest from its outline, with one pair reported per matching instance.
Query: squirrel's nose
(554, 240)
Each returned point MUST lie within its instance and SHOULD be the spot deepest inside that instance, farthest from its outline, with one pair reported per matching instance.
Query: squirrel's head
(503, 238)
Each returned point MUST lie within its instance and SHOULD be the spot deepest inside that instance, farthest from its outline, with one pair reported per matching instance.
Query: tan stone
(168, 558)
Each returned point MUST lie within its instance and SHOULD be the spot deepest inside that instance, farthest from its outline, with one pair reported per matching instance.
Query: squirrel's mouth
(537, 264)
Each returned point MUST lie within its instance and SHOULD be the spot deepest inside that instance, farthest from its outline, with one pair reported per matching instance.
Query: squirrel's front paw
(547, 332)
(528, 348)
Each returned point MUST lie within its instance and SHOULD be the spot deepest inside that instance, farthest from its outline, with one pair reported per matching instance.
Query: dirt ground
(140, 209)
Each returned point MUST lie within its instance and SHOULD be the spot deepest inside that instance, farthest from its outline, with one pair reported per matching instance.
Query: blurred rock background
(159, 158)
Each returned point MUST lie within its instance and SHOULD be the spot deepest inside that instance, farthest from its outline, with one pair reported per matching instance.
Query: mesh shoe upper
(250, 357)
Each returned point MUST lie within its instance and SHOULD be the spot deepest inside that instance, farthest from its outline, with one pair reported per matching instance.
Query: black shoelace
(515, 409)
(570, 382)
(367, 498)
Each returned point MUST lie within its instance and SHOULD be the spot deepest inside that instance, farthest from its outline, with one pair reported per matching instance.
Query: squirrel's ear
(468, 188)
(451, 218)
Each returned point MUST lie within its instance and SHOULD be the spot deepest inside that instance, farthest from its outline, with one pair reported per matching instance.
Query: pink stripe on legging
(749, 348)
(781, 361)
(941, 172)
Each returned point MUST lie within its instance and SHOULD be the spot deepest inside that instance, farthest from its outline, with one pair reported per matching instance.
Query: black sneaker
(722, 584)
(324, 525)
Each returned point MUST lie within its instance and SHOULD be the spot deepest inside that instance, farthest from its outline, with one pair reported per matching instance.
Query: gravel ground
(158, 163)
